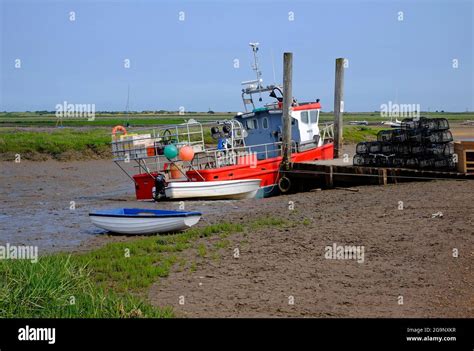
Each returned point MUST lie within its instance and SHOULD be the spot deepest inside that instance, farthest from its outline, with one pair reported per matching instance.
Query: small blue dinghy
(143, 221)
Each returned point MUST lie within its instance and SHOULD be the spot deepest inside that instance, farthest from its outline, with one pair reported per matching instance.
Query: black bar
(353, 334)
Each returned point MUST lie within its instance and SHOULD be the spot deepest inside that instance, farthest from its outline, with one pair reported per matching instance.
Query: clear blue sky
(190, 63)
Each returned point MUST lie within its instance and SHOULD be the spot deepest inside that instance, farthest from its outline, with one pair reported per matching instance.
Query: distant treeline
(147, 112)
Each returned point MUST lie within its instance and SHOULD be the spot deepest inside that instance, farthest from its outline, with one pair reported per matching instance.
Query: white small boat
(224, 189)
(392, 124)
(358, 123)
(143, 221)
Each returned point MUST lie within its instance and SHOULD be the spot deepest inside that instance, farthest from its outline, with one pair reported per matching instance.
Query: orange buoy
(176, 172)
(186, 153)
(119, 128)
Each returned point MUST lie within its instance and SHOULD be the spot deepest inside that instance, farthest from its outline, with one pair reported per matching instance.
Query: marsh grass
(63, 143)
(57, 286)
(54, 143)
(356, 134)
(109, 282)
(135, 265)
(268, 221)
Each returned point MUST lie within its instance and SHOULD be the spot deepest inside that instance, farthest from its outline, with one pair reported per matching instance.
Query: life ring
(284, 184)
(119, 128)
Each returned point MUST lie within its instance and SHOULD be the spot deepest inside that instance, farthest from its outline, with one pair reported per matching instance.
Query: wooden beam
(287, 103)
(330, 178)
(338, 107)
(383, 176)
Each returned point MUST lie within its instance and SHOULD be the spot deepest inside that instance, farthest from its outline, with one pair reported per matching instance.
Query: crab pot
(434, 124)
(418, 149)
(362, 147)
(440, 137)
(383, 161)
(364, 160)
(385, 135)
(415, 135)
(440, 150)
(443, 124)
(375, 147)
(398, 161)
(410, 124)
(427, 163)
(387, 148)
(403, 149)
(444, 163)
(359, 160)
(399, 136)
(412, 162)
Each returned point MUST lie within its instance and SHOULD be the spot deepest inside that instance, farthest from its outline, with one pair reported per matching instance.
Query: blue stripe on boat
(141, 213)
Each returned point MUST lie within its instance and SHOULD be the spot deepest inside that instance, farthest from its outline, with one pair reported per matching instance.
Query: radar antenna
(255, 67)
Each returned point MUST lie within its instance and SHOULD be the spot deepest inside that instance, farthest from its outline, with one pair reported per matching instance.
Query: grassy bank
(59, 287)
(109, 282)
(77, 144)
(102, 120)
(61, 143)
(356, 134)
(58, 143)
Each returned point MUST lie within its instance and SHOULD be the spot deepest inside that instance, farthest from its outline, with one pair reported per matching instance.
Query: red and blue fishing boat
(248, 146)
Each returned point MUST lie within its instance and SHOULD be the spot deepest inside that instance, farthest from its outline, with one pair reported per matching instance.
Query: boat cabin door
(309, 125)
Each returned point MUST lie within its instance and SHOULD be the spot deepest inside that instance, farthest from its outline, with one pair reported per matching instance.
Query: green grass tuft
(57, 287)
(356, 134)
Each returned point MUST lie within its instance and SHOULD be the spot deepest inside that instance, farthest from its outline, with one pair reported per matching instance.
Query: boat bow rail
(151, 142)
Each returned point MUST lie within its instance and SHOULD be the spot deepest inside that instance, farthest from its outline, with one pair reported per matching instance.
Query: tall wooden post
(338, 107)
(287, 102)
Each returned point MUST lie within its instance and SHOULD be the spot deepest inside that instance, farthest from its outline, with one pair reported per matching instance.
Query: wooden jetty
(336, 173)
(340, 172)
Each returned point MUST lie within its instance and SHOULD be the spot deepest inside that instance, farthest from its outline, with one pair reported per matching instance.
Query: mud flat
(407, 254)
(46, 204)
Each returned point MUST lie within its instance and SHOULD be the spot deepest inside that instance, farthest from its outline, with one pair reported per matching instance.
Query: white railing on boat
(327, 132)
(213, 158)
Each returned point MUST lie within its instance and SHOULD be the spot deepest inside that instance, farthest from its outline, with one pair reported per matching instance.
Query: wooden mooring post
(287, 103)
(338, 107)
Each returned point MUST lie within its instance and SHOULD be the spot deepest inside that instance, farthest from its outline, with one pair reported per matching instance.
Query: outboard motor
(160, 185)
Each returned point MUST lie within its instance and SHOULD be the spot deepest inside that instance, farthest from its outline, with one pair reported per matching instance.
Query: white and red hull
(213, 190)
(266, 170)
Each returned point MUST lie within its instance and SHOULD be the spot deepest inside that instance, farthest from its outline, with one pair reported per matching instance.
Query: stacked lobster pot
(422, 143)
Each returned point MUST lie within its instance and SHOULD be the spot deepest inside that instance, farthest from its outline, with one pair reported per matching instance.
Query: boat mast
(255, 86)
(255, 67)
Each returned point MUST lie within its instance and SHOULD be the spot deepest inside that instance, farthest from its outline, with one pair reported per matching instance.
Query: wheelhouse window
(304, 117)
(265, 123)
(252, 124)
(313, 116)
